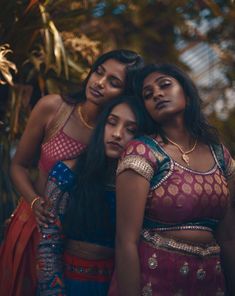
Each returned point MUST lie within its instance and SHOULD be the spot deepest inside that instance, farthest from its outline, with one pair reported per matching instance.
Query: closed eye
(111, 121)
(164, 83)
(99, 70)
(115, 82)
(132, 130)
(147, 94)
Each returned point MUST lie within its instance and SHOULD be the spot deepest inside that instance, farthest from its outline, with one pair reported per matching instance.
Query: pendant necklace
(86, 124)
(184, 156)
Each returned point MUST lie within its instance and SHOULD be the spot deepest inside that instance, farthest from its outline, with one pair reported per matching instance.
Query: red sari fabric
(18, 253)
(18, 250)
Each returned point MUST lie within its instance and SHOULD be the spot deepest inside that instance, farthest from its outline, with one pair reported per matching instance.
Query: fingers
(42, 215)
(46, 212)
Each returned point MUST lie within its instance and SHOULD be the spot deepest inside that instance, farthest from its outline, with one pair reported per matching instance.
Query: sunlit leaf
(5, 65)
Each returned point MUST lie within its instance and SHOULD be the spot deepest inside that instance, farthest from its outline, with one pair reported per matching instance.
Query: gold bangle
(33, 201)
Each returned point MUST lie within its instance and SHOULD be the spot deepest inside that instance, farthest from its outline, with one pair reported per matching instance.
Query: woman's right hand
(42, 215)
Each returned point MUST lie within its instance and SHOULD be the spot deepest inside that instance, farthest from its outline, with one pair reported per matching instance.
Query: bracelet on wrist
(33, 201)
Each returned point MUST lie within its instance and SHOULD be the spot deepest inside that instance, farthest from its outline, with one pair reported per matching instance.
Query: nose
(117, 132)
(101, 82)
(158, 93)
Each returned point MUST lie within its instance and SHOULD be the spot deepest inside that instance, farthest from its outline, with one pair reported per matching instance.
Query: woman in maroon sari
(175, 194)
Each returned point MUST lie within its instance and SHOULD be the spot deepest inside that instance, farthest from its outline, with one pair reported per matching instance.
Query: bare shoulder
(49, 103)
(44, 110)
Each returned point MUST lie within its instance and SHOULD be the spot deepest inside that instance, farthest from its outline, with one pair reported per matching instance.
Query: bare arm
(226, 239)
(132, 190)
(29, 147)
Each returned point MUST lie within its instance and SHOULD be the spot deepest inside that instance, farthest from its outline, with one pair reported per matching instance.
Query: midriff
(88, 251)
(193, 236)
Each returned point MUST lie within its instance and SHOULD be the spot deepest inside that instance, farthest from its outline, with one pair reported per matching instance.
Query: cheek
(181, 96)
(127, 138)
(113, 92)
(149, 106)
(106, 133)
(91, 78)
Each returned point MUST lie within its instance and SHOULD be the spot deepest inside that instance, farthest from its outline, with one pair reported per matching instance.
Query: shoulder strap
(164, 163)
(219, 155)
(59, 120)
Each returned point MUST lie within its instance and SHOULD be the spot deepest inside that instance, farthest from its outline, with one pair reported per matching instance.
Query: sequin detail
(218, 267)
(152, 262)
(201, 274)
(184, 270)
(156, 241)
(147, 290)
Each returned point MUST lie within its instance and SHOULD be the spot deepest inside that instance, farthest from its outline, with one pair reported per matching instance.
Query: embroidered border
(137, 163)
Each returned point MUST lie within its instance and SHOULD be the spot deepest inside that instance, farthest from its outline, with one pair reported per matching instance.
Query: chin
(92, 99)
(112, 154)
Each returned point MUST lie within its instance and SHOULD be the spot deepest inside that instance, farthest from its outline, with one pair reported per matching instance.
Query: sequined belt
(82, 269)
(157, 241)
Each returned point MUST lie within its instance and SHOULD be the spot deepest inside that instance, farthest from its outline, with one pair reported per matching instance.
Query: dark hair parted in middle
(88, 212)
(194, 118)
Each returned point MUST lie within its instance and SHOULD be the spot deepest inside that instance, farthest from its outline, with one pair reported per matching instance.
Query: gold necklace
(82, 118)
(185, 157)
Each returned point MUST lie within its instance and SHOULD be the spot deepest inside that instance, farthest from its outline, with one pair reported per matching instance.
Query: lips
(115, 145)
(95, 92)
(161, 104)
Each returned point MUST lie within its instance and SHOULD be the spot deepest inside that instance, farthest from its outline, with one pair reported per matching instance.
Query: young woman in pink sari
(57, 129)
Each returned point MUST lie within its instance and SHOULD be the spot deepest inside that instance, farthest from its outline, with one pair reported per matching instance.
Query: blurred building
(207, 71)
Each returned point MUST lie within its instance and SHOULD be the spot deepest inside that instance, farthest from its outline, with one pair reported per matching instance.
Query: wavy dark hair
(131, 59)
(88, 210)
(194, 118)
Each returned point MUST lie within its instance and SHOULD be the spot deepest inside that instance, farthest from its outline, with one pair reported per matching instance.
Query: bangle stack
(33, 201)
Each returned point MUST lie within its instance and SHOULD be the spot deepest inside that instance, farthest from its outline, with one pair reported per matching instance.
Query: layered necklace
(184, 156)
(84, 122)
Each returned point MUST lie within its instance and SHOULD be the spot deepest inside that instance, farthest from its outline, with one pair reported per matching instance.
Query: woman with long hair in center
(83, 194)
(175, 197)
(59, 128)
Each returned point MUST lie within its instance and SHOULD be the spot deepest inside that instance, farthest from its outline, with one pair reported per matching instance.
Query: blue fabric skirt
(86, 288)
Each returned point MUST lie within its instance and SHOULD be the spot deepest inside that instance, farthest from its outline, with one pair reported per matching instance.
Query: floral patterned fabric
(50, 267)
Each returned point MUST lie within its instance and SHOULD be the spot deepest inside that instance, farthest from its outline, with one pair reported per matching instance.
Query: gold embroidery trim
(138, 164)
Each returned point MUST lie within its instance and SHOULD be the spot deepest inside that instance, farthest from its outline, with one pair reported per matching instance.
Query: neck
(179, 135)
(90, 112)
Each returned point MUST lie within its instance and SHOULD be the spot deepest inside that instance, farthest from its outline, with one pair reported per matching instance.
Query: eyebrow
(117, 117)
(156, 80)
(113, 76)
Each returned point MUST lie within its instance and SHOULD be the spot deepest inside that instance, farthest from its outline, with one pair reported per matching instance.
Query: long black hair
(194, 118)
(131, 59)
(88, 210)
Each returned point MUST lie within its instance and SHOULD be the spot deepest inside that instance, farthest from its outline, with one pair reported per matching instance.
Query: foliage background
(55, 42)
